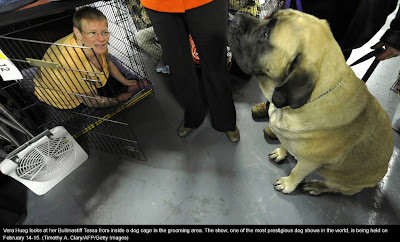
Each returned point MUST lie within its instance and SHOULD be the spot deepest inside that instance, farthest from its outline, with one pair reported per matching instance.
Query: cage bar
(44, 98)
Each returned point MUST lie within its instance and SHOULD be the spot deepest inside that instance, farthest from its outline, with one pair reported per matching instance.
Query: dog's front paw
(285, 185)
(278, 155)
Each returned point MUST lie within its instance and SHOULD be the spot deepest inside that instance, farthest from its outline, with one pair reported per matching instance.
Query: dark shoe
(182, 130)
(269, 133)
(233, 136)
(260, 110)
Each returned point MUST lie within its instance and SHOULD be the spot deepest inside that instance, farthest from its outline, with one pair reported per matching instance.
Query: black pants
(207, 25)
(338, 14)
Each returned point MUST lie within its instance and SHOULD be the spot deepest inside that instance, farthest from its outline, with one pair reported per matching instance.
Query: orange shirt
(173, 6)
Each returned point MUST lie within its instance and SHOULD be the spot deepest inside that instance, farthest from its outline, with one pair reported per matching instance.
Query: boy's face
(91, 36)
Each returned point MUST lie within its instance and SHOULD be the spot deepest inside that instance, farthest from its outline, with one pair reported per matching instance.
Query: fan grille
(46, 161)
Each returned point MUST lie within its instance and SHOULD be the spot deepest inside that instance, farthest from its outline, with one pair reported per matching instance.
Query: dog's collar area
(328, 91)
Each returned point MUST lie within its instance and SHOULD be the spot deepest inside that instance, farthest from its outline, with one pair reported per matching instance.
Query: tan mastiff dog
(320, 111)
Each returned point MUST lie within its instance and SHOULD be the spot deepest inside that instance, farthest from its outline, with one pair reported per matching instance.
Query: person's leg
(112, 88)
(339, 23)
(172, 33)
(208, 25)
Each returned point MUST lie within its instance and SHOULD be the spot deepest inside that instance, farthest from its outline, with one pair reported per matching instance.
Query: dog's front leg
(289, 183)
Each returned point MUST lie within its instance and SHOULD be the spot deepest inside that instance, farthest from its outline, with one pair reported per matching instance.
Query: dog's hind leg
(269, 133)
(289, 183)
(316, 187)
(278, 154)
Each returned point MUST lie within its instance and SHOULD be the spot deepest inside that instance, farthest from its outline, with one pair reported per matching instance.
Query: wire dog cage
(50, 92)
(145, 36)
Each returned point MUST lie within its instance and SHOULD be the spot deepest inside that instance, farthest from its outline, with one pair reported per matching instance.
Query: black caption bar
(133, 232)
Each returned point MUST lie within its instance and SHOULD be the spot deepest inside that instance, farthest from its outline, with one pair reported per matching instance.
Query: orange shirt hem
(173, 6)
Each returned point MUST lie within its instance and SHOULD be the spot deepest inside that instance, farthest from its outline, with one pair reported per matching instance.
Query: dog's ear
(297, 86)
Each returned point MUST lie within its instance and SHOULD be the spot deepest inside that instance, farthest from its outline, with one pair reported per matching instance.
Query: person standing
(206, 21)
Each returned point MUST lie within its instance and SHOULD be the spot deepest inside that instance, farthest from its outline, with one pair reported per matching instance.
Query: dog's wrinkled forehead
(248, 25)
(249, 36)
(252, 39)
(250, 28)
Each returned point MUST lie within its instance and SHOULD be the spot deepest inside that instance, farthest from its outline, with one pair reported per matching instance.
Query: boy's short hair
(87, 13)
